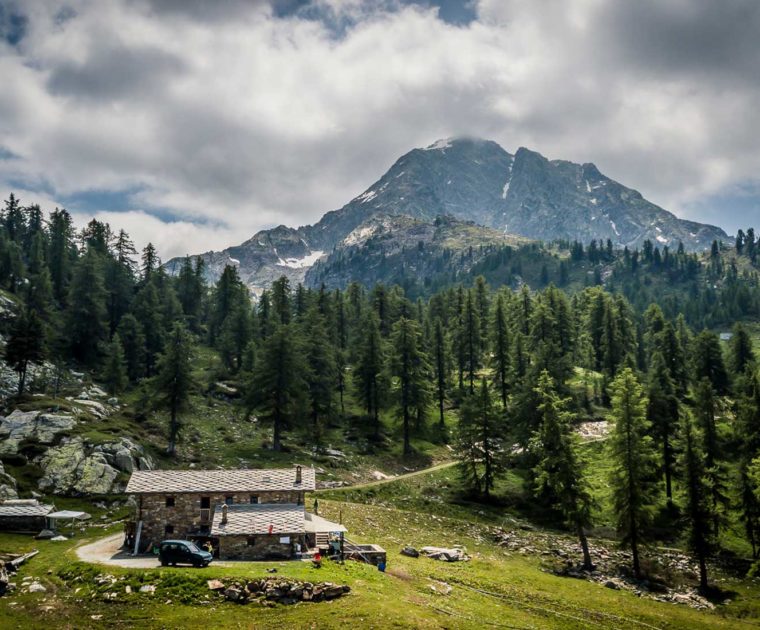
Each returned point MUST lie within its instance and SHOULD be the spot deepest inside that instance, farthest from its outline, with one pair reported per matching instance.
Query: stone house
(245, 514)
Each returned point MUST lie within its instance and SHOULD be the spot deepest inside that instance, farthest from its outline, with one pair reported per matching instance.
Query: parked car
(183, 552)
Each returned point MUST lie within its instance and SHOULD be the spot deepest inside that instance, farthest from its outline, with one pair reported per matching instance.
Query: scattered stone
(215, 585)
(36, 587)
(454, 554)
(147, 588)
(45, 534)
(410, 552)
(613, 585)
(58, 538)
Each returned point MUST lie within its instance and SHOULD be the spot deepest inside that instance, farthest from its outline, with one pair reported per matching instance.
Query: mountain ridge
(470, 179)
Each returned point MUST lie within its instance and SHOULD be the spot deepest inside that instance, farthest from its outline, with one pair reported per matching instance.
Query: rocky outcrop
(43, 428)
(75, 467)
(7, 485)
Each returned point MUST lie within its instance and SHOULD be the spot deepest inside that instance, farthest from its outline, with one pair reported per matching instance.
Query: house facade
(245, 514)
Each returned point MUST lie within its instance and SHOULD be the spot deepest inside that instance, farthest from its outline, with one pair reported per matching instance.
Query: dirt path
(380, 482)
(108, 551)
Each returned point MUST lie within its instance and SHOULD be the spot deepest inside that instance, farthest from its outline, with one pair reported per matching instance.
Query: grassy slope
(495, 589)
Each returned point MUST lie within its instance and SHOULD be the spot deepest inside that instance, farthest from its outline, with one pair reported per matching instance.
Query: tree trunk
(702, 573)
(407, 444)
(635, 554)
(668, 472)
(172, 448)
(276, 444)
(587, 565)
(22, 378)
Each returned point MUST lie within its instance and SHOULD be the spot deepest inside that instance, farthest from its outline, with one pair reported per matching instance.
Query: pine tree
(634, 462)
(146, 308)
(321, 369)
(133, 342)
(480, 441)
(61, 253)
(26, 344)
(150, 262)
(441, 369)
(699, 510)
(560, 471)
(662, 414)
(500, 356)
(410, 366)
(741, 353)
(715, 472)
(280, 296)
(748, 432)
(469, 340)
(115, 373)
(278, 387)
(707, 357)
(174, 381)
(86, 321)
(369, 372)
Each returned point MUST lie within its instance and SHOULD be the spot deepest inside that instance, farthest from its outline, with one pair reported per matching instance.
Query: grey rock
(31, 425)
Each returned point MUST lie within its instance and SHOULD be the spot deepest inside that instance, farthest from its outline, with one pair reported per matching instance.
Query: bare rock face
(7, 485)
(31, 425)
(75, 467)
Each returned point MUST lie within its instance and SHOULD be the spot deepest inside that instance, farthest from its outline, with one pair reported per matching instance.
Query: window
(254, 499)
(168, 529)
(229, 500)
(169, 501)
(251, 541)
(205, 503)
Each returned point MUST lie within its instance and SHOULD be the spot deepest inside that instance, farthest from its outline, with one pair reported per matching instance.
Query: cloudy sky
(194, 124)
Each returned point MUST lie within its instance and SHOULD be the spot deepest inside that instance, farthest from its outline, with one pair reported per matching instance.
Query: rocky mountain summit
(473, 181)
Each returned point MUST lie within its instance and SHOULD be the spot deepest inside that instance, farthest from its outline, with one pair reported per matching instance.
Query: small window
(205, 503)
(169, 529)
(251, 541)
(254, 499)
(169, 501)
(229, 500)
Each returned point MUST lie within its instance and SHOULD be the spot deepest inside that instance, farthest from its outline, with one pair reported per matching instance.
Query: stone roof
(180, 481)
(24, 508)
(245, 519)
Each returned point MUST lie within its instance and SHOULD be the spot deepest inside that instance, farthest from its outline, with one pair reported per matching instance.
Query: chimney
(298, 475)
(224, 514)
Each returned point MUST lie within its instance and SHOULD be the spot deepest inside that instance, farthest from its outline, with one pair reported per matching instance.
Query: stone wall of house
(185, 515)
(264, 547)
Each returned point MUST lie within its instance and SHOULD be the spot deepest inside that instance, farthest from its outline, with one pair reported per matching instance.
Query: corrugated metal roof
(247, 520)
(179, 481)
(25, 510)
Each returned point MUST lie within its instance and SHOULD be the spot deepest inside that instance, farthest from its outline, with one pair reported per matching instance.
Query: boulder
(454, 554)
(45, 534)
(7, 485)
(36, 587)
(147, 588)
(215, 585)
(94, 407)
(31, 425)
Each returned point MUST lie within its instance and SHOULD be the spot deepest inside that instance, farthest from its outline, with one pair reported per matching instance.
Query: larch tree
(174, 380)
(560, 472)
(634, 462)
(370, 382)
(26, 344)
(115, 368)
(698, 509)
(441, 369)
(662, 414)
(278, 387)
(500, 343)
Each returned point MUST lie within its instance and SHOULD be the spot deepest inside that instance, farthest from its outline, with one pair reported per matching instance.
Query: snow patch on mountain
(440, 145)
(301, 263)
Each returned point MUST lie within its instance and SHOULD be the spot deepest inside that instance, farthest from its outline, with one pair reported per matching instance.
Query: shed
(66, 515)
(26, 516)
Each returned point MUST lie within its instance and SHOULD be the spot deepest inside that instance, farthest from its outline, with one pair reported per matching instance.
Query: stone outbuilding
(244, 514)
(24, 516)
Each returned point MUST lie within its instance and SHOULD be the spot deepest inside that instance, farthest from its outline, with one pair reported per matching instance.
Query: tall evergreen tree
(707, 358)
(480, 441)
(662, 414)
(26, 344)
(699, 506)
(441, 368)
(410, 366)
(500, 356)
(86, 317)
(634, 463)
(369, 372)
(321, 369)
(133, 342)
(174, 381)
(741, 353)
(277, 388)
(115, 372)
(560, 472)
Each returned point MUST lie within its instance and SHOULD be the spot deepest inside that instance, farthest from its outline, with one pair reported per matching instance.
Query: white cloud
(247, 120)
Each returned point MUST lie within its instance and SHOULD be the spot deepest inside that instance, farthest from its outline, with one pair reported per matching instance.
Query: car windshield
(191, 546)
